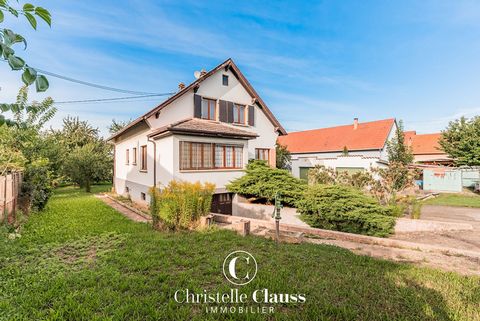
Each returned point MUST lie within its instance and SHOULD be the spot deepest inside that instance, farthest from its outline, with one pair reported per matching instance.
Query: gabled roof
(227, 64)
(202, 127)
(424, 143)
(367, 136)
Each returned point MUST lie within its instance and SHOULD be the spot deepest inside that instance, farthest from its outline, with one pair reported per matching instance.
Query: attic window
(157, 114)
(225, 80)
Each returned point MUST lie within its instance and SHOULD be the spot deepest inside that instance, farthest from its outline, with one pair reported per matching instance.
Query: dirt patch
(445, 261)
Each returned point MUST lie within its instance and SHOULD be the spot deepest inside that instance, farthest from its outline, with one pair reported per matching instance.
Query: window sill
(210, 170)
(240, 125)
(143, 171)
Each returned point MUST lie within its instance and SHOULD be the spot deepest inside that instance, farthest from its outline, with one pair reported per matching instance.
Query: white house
(205, 132)
(354, 147)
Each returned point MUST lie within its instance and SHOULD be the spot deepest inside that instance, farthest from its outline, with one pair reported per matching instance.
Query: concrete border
(335, 235)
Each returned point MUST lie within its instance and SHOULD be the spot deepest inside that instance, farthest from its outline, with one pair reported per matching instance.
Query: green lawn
(455, 200)
(81, 260)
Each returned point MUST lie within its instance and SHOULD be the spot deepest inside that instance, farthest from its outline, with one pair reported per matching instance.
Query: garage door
(222, 203)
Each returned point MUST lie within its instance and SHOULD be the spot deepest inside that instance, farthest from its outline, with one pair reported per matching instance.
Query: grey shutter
(197, 106)
(229, 112)
(223, 111)
(251, 115)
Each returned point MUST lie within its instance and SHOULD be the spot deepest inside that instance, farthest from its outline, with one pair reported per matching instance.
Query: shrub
(345, 209)
(180, 204)
(262, 182)
(37, 185)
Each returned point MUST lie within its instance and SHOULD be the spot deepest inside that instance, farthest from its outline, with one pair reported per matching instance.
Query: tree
(116, 126)
(283, 157)
(8, 39)
(397, 150)
(461, 141)
(88, 164)
(400, 156)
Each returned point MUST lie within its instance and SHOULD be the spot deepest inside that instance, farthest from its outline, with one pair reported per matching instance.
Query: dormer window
(225, 80)
(208, 108)
(239, 114)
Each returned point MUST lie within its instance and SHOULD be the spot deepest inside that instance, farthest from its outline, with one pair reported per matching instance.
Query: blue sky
(316, 64)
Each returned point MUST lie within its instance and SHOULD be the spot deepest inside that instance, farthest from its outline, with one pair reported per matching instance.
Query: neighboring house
(205, 132)
(426, 149)
(354, 147)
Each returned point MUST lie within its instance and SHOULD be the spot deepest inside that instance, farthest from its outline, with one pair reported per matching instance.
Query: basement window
(143, 196)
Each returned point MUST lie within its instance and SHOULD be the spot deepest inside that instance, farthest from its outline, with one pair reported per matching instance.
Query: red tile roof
(367, 136)
(424, 144)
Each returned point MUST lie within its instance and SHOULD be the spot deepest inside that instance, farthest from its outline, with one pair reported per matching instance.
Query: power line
(110, 99)
(86, 83)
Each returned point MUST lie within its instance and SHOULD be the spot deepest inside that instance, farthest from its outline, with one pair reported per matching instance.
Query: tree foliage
(117, 125)
(283, 157)
(461, 141)
(8, 40)
(398, 151)
(263, 182)
(88, 164)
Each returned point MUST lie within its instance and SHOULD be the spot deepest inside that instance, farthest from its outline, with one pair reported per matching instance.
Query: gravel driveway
(467, 240)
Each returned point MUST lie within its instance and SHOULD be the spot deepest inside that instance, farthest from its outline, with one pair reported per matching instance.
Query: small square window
(143, 196)
(225, 80)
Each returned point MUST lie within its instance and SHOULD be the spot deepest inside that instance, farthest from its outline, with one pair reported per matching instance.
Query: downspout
(114, 166)
(154, 162)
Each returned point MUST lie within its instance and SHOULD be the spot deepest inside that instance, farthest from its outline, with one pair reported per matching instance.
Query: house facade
(205, 132)
(351, 148)
(426, 149)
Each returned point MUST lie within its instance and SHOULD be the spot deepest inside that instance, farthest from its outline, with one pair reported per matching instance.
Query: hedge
(346, 209)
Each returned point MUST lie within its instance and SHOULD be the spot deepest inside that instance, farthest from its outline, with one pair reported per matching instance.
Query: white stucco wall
(167, 148)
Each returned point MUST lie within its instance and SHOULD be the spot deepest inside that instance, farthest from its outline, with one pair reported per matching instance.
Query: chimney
(355, 123)
(181, 86)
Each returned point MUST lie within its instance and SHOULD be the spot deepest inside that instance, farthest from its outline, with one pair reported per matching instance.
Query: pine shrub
(262, 182)
(346, 209)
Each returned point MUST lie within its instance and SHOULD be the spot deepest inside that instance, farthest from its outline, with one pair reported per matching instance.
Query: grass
(455, 200)
(81, 260)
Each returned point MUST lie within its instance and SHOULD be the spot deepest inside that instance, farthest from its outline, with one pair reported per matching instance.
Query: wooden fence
(9, 191)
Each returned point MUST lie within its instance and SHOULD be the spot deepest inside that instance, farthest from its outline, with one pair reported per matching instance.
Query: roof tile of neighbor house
(367, 136)
(226, 64)
(195, 126)
(424, 143)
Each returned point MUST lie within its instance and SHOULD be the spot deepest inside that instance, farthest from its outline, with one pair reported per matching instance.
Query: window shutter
(197, 106)
(229, 112)
(223, 111)
(251, 115)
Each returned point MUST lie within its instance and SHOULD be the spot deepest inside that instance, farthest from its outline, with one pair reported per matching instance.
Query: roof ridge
(362, 123)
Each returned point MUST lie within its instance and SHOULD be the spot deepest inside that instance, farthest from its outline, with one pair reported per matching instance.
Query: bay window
(198, 156)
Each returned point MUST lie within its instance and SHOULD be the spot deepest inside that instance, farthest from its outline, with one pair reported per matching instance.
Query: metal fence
(9, 191)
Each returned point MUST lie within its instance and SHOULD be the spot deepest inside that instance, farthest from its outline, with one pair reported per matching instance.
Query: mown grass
(455, 200)
(81, 260)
